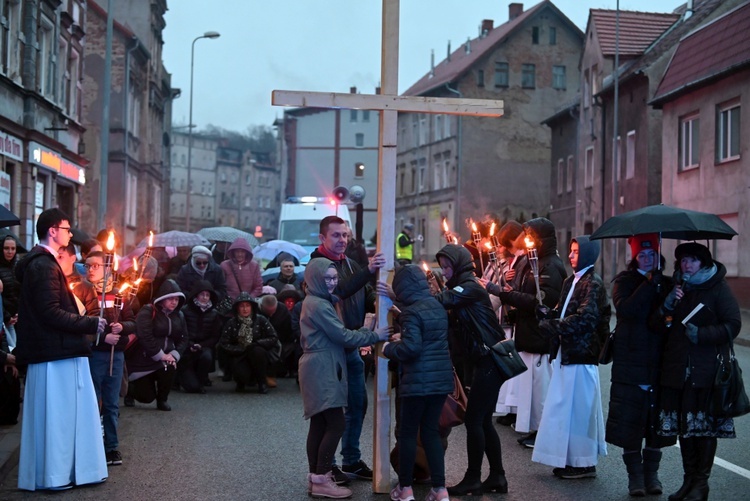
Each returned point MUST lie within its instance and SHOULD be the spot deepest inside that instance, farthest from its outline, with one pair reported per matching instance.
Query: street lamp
(208, 34)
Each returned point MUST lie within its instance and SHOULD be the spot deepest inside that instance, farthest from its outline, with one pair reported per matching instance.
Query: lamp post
(208, 34)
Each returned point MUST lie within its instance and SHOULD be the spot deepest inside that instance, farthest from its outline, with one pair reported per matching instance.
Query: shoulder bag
(728, 398)
(608, 350)
(454, 409)
(506, 358)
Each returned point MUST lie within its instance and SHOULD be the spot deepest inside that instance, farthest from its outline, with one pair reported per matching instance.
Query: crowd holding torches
(533, 256)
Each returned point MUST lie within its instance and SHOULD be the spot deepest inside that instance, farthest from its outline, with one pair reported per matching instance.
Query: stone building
(203, 182)
(229, 164)
(466, 167)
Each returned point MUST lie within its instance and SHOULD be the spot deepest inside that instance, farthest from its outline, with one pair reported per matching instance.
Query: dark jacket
(263, 332)
(637, 348)
(203, 327)
(214, 274)
(356, 298)
(11, 287)
(281, 320)
(87, 294)
(580, 334)
(49, 326)
(279, 282)
(158, 333)
(425, 365)
(523, 297)
(469, 303)
(718, 320)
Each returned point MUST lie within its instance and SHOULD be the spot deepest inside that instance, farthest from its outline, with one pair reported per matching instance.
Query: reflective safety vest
(404, 252)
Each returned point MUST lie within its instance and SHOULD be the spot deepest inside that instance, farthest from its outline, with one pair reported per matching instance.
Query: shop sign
(11, 146)
(52, 160)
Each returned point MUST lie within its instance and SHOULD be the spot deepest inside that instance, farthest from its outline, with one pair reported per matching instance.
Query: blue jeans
(108, 392)
(354, 415)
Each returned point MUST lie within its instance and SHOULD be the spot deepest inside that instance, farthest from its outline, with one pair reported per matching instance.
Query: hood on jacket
(245, 297)
(170, 289)
(542, 231)
(200, 286)
(22, 264)
(241, 244)
(461, 261)
(315, 273)
(410, 284)
(588, 251)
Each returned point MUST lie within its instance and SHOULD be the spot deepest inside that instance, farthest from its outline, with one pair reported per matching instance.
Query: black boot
(496, 482)
(651, 459)
(634, 464)
(689, 452)
(471, 484)
(706, 448)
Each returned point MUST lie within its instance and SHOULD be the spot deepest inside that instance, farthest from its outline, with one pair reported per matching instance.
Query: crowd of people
(80, 342)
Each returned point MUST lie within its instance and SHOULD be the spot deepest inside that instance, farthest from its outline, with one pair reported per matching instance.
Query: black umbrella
(669, 222)
(79, 236)
(7, 218)
(4, 232)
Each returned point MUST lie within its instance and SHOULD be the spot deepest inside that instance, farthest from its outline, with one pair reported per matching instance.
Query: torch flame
(424, 265)
(117, 263)
(138, 282)
(529, 242)
(492, 229)
(445, 225)
(111, 241)
(150, 238)
(455, 240)
(124, 287)
(135, 264)
(488, 245)
(473, 226)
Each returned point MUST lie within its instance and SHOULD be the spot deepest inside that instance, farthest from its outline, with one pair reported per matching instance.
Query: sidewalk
(10, 436)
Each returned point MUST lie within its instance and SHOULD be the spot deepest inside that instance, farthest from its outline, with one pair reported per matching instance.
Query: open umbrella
(669, 222)
(227, 234)
(176, 238)
(7, 218)
(269, 250)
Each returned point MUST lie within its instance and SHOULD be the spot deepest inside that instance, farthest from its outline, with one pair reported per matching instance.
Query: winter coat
(356, 297)
(158, 333)
(243, 277)
(280, 282)
(11, 287)
(187, 277)
(263, 332)
(580, 334)
(92, 301)
(637, 348)
(523, 296)
(425, 365)
(324, 338)
(49, 325)
(716, 321)
(203, 327)
(469, 304)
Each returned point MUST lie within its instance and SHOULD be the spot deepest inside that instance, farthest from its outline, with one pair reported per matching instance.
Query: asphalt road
(228, 446)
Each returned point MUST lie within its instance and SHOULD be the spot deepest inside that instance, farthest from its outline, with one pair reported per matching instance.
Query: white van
(300, 217)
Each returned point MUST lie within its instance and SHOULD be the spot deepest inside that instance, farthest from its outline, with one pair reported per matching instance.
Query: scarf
(204, 307)
(245, 333)
(200, 271)
(330, 255)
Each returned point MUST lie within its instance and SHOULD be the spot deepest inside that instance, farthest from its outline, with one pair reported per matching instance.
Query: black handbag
(728, 397)
(608, 350)
(506, 358)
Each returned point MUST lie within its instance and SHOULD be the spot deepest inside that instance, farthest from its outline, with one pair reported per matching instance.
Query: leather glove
(671, 300)
(691, 331)
(542, 312)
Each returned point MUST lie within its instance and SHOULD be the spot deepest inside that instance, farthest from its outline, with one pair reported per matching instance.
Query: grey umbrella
(175, 238)
(227, 234)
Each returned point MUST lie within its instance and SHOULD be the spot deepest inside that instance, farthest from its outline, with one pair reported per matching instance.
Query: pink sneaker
(439, 495)
(402, 493)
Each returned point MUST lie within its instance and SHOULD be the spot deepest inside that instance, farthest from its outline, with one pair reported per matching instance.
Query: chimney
(352, 90)
(487, 26)
(467, 47)
(514, 10)
(449, 51)
(377, 89)
(432, 63)
(688, 10)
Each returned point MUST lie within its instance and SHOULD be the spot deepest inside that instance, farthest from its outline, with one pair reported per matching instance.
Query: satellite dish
(356, 194)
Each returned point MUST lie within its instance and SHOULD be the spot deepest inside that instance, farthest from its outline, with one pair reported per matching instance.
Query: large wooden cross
(388, 103)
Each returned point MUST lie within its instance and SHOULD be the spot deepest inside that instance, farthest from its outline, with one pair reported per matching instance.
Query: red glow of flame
(473, 226)
(529, 242)
(488, 245)
(138, 282)
(124, 287)
(117, 263)
(455, 240)
(492, 229)
(445, 225)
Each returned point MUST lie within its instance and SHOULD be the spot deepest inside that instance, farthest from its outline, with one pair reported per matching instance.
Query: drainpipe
(460, 158)
(126, 125)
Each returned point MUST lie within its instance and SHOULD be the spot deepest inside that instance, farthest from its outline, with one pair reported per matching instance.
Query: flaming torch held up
(477, 237)
(492, 253)
(533, 256)
(495, 240)
(446, 232)
(118, 310)
(431, 278)
(108, 256)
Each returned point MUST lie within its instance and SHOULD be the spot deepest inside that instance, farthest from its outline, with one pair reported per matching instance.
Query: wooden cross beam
(388, 103)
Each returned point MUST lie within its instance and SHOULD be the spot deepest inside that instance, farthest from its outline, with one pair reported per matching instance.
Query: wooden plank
(390, 102)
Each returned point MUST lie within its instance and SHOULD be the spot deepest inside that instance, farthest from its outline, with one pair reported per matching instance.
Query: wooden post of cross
(388, 103)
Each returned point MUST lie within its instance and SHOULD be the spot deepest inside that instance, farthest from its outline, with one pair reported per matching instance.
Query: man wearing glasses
(63, 448)
(201, 266)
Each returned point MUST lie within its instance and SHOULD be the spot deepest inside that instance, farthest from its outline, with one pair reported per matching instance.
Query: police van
(299, 221)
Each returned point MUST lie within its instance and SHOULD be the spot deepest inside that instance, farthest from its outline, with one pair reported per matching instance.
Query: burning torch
(108, 256)
(477, 237)
(533, 256)
(446, 232)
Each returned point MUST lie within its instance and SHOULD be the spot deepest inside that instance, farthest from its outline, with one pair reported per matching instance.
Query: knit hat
(409, 226)
(200, 249)
(696, 250)
(647, 241)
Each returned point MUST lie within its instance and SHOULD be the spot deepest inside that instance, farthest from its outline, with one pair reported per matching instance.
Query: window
(422, 172)
(588, 170)
(438, 127)
(156, 207)
(558, 78)
(446, 174)
(569, 175)
(359, 139)
(436, 172)
(46, 60)
(63, 76)
(402, 180)
(480, 78)
(75, 86)
(352, 115)
(10, 44)
(131, 199)
(415, 128)
(594, 80)
(535, 35)
(689, 140)
(413, 180)
(501, 74)
(560, 171)
(135, 111)
(248, 178)
(365, 115)
(728, 133)
(446, 126)
(528, 76)
(223, 177)
(630, 155)
(586, 89)
(359, 170)
(553, 36)
(422, 129)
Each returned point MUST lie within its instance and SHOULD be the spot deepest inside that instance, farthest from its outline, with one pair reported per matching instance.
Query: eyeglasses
(201, 263)
(64, 228)
(93, 267)
(331, 280)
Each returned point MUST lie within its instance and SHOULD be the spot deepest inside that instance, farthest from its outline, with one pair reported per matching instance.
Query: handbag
(225, 305)
(506, 358)
(454, 408)
(608, 350)
(728, 397)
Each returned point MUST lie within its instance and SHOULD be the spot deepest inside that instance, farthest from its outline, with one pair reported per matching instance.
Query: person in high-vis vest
(405, 245)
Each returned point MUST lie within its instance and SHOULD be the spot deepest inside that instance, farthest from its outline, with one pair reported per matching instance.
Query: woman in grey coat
(322, 373)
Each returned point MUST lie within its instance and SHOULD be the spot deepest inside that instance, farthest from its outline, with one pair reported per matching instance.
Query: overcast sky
(317, 45)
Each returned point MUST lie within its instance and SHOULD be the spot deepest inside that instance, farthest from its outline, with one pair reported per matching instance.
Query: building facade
(229, 164)
(201, 178)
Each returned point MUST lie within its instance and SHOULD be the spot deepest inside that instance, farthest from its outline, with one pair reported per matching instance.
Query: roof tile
(638, 30)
